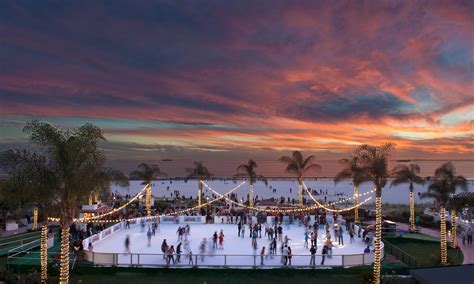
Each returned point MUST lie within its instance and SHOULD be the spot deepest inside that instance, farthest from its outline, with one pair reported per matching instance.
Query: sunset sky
(235, 79)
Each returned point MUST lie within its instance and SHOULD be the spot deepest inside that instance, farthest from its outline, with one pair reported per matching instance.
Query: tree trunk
(148, 200)
(300, 191)
(64, 261)
(199, 192)
(35, 218)
(356, 201)
(44, 252)
(412, 211)
(251, 195)
(444, 256)
(378, 235)
(454, 242)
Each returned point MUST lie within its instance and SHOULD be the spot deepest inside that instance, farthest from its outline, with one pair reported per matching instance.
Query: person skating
(202, 248)
(127, 244)
(254, 238)
(324, 254)
(148, 235)
(170, 255)
(312, 261)
(178, 253)
(262, 254)
(340, 237)
(239, 227)
(164, 248)
(190, 258)
(221, 240)
(285, 255)
(280, 232)
(289, 255)
(306, 238)
(214, 240)
(242, 234)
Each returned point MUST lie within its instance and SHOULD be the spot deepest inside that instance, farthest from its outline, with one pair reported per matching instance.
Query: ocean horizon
(276, 169)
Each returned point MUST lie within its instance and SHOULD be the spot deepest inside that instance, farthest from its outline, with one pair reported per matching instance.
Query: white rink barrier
(228, 260)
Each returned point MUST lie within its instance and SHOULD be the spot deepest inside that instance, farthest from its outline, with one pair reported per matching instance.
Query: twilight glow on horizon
(219, 79)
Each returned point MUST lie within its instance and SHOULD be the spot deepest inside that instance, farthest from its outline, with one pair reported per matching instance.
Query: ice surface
(237, 249)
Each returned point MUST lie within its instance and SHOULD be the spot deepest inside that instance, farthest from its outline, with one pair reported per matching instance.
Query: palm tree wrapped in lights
(442, 190)
(200, 172)
(298, 165)
(373, 161)
(351, 170)
(456, 204)
(248, 170)
(147, 173)
(75, 159)
(408, 174)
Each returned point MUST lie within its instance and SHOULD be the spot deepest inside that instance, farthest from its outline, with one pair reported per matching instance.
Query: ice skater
(178, 253)
(190, 258)
(306, 238)
(214, 240)
(148, 235)
(202, 248)
(127, 244)
(262, 254)
(164, 248)
(221, 240)
(312, 261)
(170, 255)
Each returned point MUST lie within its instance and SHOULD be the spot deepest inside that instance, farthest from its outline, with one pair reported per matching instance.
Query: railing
(400, 254)
(227, 260)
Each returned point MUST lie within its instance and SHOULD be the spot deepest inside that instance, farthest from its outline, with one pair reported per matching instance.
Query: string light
(35, 218)
(64, 260)
(453, 229)
(223, 196)
(378, 236)
(54, 219)
(337, 202)
(444, 256)
(319, 205)
(113, 210)
(412, 212)
(44, 253)
(356, 200)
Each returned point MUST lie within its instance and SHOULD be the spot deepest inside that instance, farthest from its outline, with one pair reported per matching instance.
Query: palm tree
(75, 159)
(373, 161)
(456, 204)
(408, 174)
(442, 189)
(351, 170)
(31, 182)
(200, 172)
(147, 173)
(248, 170)
(298, 165)
(103, 180)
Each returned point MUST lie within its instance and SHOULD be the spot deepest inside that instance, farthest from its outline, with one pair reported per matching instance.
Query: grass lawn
(425, 249)
(208, 276)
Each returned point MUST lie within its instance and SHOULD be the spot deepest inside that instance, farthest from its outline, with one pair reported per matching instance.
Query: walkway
(467, 250)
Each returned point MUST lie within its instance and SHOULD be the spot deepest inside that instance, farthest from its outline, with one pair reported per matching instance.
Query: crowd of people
(266, 240)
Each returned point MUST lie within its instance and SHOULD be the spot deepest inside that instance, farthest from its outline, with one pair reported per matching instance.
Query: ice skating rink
(237, 251)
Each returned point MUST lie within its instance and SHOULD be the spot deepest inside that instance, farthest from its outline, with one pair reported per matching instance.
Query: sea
(281, 184)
